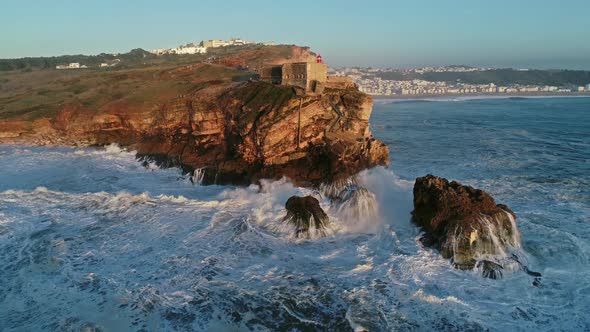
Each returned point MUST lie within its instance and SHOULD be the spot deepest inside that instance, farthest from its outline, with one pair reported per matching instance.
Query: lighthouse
(318, 59)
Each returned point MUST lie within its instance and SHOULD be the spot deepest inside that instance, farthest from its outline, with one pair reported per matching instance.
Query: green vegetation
(134, 57)
(44, 92)
(500, 77)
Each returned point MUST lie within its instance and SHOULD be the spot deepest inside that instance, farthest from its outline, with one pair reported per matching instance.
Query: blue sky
(499, 33)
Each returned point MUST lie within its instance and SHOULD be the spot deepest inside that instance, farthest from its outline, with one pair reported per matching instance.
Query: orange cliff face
(198, 117)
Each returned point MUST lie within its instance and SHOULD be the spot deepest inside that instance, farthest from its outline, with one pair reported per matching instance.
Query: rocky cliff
(257, 130)
(225, 131)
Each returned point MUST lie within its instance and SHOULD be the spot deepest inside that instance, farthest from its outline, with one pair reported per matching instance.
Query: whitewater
(92, 240)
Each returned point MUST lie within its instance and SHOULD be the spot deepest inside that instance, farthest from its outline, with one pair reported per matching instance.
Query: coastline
(470, 96)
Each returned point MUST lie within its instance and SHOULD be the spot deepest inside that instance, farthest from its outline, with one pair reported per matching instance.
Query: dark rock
(536, 275)
(350, 199)
(463, 223)
(490, 269)
(306, 215)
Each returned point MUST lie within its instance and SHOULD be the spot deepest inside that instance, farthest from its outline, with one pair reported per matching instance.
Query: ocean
(91, 240)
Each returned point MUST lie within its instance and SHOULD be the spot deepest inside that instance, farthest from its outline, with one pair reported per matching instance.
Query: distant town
(391, 82)
(202, 47)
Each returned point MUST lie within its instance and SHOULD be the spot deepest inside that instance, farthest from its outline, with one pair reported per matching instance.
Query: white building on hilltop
(204, 45)
(214, 43)
(183, 49)
(222, 43)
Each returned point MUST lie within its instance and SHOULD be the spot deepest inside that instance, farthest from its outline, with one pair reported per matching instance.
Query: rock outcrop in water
(306, 214)
(464, 224)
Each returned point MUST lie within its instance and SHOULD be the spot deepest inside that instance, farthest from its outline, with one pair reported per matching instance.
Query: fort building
(311, 76)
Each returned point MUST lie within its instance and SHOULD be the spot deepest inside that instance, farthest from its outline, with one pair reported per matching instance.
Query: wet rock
(536, 275)
(351, 200)
(465, 224)
(490, 269)
(306, 214)
(335, 190)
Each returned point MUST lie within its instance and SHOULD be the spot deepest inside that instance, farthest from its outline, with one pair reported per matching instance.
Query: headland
(221, 117)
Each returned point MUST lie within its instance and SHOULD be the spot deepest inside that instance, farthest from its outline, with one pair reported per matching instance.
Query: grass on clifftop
(139, 83)
(42, 93)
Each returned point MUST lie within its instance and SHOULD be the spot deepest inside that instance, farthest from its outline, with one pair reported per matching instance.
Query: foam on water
(91, 238)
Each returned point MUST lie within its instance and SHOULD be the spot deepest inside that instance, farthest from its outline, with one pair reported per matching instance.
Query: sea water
(92, 240)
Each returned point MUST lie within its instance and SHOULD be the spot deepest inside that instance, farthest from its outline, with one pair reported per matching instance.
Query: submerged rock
(490, 269)
(306, 214)
(465, 224)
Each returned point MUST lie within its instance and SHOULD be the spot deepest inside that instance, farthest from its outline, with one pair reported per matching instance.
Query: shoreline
(473, 96)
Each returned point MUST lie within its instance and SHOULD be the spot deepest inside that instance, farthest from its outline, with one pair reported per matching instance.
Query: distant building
(222, 43)
(214, 43)
(190, 50)
(183, 49)
(73, 65)
(587, 87)
(581, 89)
(311, 76)
(159, 51)
(238, 41)
(203, 46)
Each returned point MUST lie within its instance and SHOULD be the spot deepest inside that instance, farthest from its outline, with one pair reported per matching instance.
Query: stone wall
(317, 72)
(295, 74)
